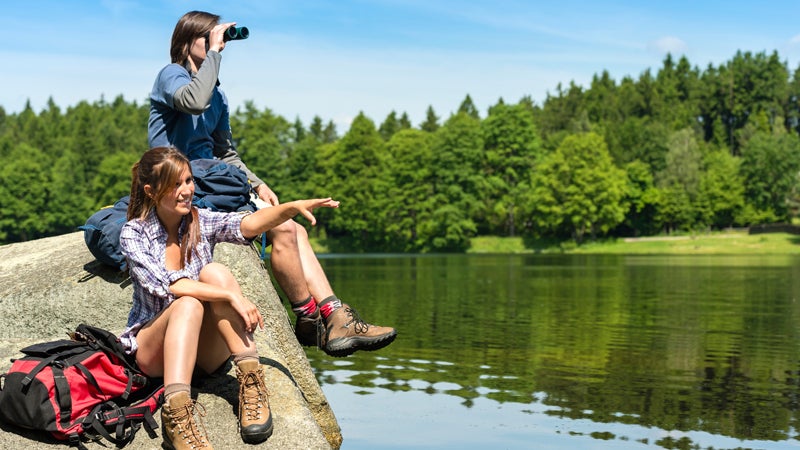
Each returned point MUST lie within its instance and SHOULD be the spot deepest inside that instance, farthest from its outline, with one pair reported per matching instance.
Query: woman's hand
(216, 39)
(267, 218)
(248, 312)
(305, 207)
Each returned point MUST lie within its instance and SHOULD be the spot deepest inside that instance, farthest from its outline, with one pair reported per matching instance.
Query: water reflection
(572, 351)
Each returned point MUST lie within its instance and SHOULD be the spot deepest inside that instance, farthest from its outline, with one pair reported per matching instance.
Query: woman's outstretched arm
(267, 218)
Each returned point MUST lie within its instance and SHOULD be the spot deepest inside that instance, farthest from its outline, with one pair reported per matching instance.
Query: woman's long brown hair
(161, 168)
(190, 26)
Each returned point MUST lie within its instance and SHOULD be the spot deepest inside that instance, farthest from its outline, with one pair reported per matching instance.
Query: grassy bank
(728, 242)
(721, 243)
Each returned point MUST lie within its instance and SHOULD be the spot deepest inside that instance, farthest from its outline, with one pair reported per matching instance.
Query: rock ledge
(49, 286)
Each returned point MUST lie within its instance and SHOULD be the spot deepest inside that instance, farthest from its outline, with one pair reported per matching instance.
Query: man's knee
(300, 231)
(284, 234)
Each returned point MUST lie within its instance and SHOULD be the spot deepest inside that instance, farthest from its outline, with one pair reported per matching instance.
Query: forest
(678, 149)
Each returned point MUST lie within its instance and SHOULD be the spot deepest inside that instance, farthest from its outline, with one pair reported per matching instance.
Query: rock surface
(49, 286)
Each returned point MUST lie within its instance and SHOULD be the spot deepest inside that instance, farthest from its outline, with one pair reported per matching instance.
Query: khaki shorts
(260, 204)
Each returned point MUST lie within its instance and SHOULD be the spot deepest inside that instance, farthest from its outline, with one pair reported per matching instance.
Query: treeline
(680, 149)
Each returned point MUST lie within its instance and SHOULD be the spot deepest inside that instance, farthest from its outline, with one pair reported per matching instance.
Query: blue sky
(338, 58)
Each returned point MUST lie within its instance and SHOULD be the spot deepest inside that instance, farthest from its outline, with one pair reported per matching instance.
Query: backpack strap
(89, 377)
(107, 342)
(62, 395)
(109, 413)
(47, 362)
(75, 441)
(103, 413)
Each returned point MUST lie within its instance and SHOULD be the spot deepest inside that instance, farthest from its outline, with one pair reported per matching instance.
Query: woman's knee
(186, 308)
(217, 274)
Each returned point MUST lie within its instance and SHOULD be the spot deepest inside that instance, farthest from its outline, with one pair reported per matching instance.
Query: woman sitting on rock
(188, 312)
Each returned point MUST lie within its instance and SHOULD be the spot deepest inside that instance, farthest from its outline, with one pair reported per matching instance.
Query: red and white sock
(329, 305)
(305, 308)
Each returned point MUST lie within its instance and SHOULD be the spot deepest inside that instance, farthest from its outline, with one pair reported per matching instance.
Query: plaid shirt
(144, 244)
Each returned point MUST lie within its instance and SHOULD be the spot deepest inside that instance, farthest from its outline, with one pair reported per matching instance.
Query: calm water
(570, 352)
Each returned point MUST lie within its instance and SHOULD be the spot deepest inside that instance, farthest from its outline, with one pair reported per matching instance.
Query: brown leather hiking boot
(255, 418)
(347, 333)
(178, 428)
(307, 329)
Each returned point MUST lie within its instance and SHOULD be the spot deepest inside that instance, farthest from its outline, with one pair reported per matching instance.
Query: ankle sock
(174, 388)
(329, 305)
(244, 356)
(306, 307)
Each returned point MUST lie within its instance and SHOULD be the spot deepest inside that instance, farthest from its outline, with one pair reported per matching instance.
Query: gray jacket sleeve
(226, 151)
(195, 97)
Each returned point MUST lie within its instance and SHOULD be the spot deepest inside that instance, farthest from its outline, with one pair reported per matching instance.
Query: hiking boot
(255, 418)
(178, 426)
(347, 333)
(307, 329)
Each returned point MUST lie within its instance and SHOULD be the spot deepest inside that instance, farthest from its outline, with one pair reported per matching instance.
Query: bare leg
(168, 345)
(223, 332)
(316, 279)
(286, 263)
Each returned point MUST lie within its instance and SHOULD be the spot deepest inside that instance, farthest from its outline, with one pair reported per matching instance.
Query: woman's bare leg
(167, 346)
(222, 333)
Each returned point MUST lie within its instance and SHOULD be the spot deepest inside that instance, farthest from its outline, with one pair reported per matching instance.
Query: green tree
(410, 197)
(355, 174)
(769, 167)
(559, 112)
(721, 189)
(264, 141)
(329, 133)
(578, 189)
(457, 150)
(675, 94)
(390, 126)
(601, 99)
(739, 89)
(404, 122)
(23, 194)
(71, 201)
(468, 107)
(684, 162)
(512, 147)
(642, 139)
(112, 180)
(299, 130)
(316, 129)
(431, 123)
(680, 181)
(675, 209)
(642, 196)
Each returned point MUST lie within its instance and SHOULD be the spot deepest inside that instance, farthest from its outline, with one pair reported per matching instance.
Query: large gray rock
(49, 286)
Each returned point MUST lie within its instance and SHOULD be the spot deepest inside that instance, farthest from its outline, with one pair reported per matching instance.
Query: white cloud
(668, 44)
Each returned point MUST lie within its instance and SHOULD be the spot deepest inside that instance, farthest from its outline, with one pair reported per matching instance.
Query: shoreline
(727, 242)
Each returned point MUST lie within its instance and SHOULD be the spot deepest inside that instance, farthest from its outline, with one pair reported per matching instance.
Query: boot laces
(253, 394)
(359, 326)
(322, 330)
(188, 427)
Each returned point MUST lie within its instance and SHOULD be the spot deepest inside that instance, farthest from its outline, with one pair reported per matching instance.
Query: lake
(570, 352)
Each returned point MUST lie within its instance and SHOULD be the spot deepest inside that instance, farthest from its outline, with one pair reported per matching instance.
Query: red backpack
(83, 388)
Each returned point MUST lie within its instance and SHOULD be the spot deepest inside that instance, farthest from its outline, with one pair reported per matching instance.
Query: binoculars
(235, 33)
